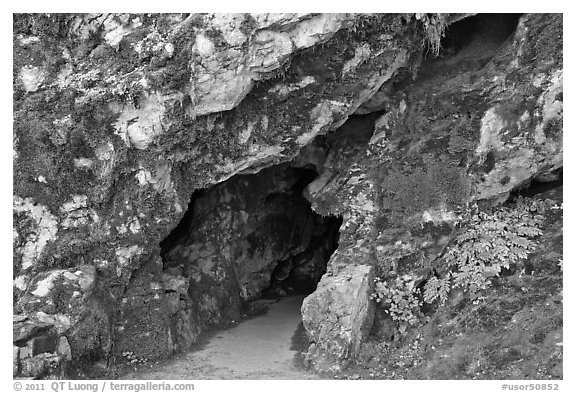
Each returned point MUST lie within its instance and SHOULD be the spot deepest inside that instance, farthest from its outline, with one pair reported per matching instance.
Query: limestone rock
(15, 360)
(61, 301)
(338, 316)
(23, 330)
(58, 298)
(61, 322)
(224, 77)
(19, 318)
(37, 366)
(378, 102)
(24, 352)
(44, 343)
(64, 349)
(62, 287)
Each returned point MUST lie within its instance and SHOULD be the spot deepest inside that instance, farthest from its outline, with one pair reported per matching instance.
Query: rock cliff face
(467, 128)
(165, 166)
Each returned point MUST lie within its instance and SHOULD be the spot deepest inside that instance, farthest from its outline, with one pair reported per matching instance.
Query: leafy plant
(399, 299)
(492, 241)
(436, 288)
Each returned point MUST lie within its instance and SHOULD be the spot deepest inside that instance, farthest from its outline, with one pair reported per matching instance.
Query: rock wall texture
(119, 118)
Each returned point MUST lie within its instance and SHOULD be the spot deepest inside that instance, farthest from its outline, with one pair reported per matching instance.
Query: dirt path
(260, 348)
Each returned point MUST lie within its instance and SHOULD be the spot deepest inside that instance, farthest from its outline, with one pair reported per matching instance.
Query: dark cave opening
(299, 274)
(487, 31)
(183, 226)
(469, 44)
(252, 236)
(539, 185)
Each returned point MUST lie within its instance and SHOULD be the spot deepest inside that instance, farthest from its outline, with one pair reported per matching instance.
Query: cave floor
(263, 347)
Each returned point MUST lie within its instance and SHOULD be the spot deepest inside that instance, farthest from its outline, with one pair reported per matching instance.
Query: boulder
(38, 366)
(63, 349)
(24, 329)
(338, 316)
(59, 291)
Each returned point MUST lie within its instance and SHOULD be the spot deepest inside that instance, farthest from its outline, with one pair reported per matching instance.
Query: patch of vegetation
(493, 241)
(399, 300)
(434, 181)
(49, 26)
(366, 26)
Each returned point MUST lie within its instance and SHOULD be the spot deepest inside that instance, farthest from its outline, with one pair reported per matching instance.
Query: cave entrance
(299, 274)
(469, 44)
(479, 34)
(253, 236)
